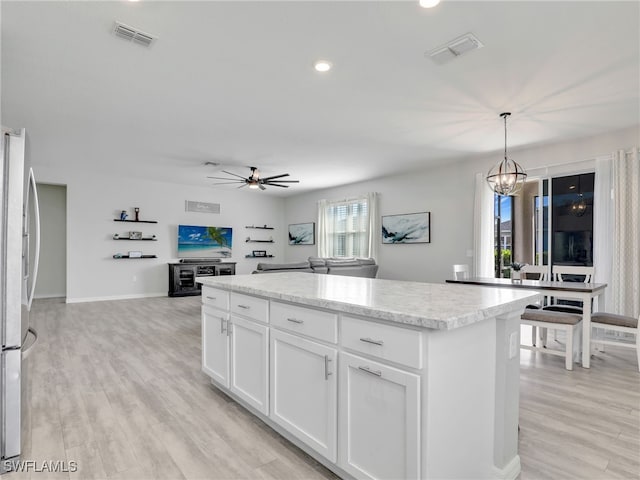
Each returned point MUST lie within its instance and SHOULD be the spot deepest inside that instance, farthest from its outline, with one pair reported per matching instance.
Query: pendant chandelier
(507, 177)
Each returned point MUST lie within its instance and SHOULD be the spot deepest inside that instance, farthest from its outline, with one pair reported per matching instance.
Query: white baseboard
(115, 297)
(510, 471)
(49, 295)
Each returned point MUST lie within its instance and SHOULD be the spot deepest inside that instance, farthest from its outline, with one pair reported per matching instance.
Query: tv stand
(182, 275)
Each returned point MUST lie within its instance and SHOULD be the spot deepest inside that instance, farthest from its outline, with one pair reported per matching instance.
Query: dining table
(584, 292)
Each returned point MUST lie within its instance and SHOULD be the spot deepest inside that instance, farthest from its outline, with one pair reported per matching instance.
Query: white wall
(447, 191)
(93, 201)
(52, 270)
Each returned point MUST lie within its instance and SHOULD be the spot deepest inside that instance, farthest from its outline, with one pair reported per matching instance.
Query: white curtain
(345, 228)
(483, 218)
(603, 228)
(625, 281)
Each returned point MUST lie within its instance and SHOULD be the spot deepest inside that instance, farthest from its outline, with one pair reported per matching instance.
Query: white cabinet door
(215, 345)
(304, 391)
(379, 420)
(250, 362)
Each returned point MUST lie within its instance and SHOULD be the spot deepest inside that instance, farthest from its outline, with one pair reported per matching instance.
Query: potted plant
(515, 271)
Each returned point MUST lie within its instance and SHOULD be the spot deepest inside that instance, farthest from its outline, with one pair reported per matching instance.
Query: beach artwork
(407, 228)
(204, 242)
(302, 234)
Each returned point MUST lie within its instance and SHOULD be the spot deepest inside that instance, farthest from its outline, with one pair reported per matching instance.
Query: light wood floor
(116, 386)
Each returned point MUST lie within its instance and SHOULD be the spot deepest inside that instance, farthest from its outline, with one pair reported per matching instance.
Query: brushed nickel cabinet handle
(374, 342)
(377, 373)
(246, 307)
(222, 322)
(326, 367)
(228, 327)
(211, 298)
(295, 320)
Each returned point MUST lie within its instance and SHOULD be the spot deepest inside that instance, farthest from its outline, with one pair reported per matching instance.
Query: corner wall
(94, 201)
(447, 191)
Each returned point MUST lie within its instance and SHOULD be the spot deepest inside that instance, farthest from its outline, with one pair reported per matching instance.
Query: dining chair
(460, 271)
(618, 323)
(564, 273)
(536, 272)
(570, 323)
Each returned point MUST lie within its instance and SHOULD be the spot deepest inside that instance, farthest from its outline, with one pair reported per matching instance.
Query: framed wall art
(302, 234)
(407, 228)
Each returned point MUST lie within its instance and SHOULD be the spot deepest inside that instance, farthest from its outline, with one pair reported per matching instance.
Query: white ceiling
(233, 82)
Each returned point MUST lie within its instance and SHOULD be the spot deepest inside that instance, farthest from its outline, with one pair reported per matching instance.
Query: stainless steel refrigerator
(19, 255)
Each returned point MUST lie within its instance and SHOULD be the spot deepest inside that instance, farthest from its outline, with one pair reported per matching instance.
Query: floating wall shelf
(138, 239)
(135, 221)
(259, 228)
(127, 257)
(259, 241)
(259, 256)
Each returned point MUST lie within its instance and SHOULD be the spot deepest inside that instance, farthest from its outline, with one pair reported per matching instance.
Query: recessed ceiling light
(322, 66)
(429, 3)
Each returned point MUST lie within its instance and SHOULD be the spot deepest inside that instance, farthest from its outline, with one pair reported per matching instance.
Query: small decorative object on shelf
(123, 215)
(137, 211)
(259, 253)
(135, 235)
(135, 254)
(116, 236)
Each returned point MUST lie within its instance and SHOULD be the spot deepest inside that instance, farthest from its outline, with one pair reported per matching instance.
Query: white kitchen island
(373, 378)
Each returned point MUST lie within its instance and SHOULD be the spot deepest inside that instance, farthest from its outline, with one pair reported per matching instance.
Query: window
(503, 235)
(346, 227)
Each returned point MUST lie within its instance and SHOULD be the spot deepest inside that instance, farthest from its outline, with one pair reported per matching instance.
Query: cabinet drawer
(306, 321)
(396, 344)
(215, 297)
(250, 306)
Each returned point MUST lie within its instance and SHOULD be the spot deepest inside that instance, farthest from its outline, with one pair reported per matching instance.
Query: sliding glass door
(550, 222)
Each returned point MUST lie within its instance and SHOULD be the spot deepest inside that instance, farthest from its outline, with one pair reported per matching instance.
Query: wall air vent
(454, 49)
(201, 207)
(133, 34)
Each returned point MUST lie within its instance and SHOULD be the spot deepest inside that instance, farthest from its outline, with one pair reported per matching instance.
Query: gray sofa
(353, 267)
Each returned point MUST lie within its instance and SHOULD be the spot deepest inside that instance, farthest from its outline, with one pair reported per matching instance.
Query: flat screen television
(196, 241)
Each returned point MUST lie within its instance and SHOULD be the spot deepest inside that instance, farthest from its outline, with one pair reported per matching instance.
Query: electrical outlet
(513, 345)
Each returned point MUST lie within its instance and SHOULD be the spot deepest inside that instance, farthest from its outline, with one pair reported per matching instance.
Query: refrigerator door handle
(36, 258)
(27, 351)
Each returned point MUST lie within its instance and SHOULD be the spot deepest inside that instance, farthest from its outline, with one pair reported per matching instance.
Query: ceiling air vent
(133, 34)
(454, 48)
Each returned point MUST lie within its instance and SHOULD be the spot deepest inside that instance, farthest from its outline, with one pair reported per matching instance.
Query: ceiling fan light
(253, 185)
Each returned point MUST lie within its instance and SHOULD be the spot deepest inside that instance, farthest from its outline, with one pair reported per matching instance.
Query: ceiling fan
(254, 180)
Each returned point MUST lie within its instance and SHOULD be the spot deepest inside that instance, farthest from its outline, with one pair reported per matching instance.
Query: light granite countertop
(428, 305)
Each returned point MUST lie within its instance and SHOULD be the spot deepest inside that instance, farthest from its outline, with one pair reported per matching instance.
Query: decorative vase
(516, 276)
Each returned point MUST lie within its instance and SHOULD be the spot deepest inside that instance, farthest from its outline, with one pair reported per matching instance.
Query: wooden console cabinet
(182, 276)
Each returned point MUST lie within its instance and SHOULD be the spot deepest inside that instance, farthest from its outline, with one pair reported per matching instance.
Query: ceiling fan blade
(226, 183)
(242, 186)
(283, 181)
(234, 174)
(276, 185)
(276, 176)
(262, 187)
(227, 178)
